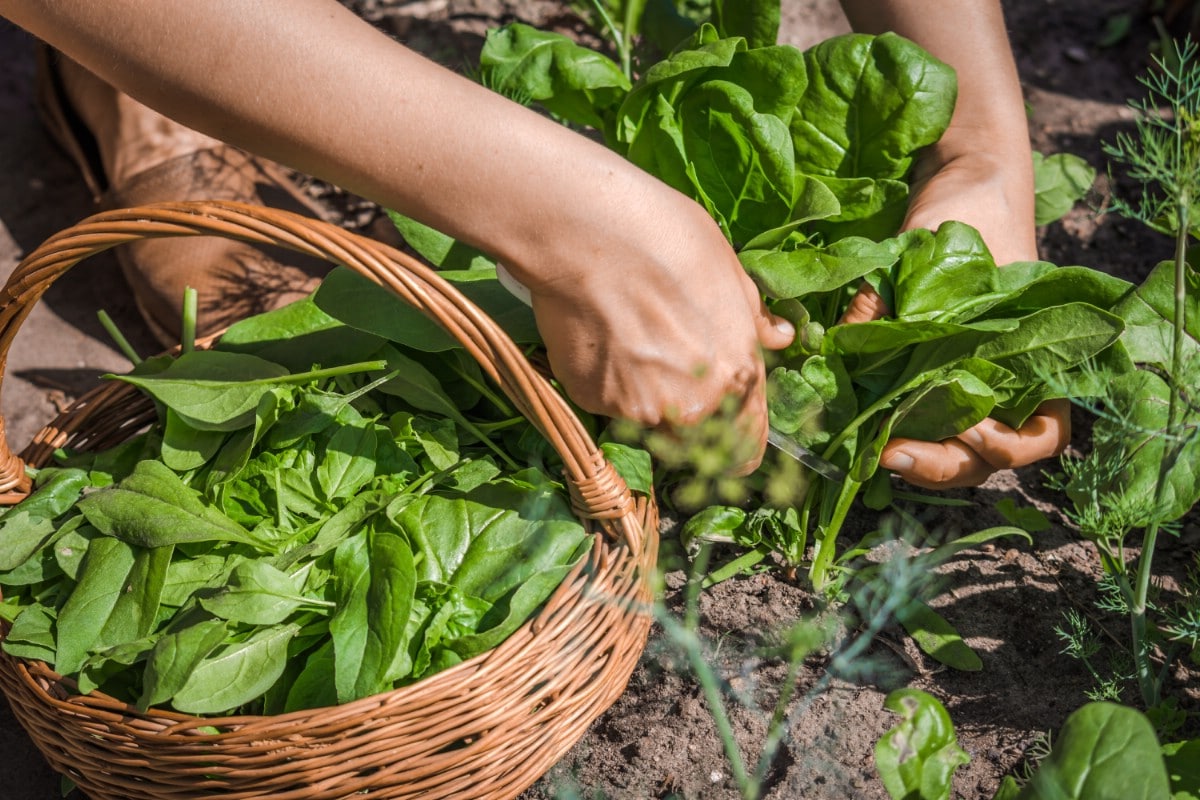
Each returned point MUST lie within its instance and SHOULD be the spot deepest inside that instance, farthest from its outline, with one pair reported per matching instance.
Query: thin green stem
(735, 567)
(187, 335)
(118, 337)
(825, 545)
(618, 39)
(1149, 686)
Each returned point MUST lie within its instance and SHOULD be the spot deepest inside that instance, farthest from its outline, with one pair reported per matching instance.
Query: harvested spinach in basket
(318, 516)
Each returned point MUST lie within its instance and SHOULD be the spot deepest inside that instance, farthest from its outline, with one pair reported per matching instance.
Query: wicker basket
(487, 728)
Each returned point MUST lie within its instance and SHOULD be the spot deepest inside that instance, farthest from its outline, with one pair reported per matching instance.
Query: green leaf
(212, 389)
(175, 657)
(937, 637)
(812, 403)
(184, 447)
(1103, 752)
(135, 614)
(870, 104)
(92, 602)
(1059, 182)
(1183, 769)
(1027, 518)
(633, 464)
(32, 635)
(154, 508)
(1149, 313)
(943, 408)
(376, 584)
(569, 80)
(298, 336)
(755, 20)
(1052, 340)
(939, 271)
(916, 759)
(29, 526)
(444, 252)
(258, 594)
(493, 540)
(236, 673)
(809, 269)
(1130, 443)
(349, 461)
(360, 303)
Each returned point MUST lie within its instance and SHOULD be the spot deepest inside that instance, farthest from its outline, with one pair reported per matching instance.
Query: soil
(659, 740)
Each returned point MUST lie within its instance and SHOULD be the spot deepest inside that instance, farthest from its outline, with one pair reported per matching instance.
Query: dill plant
(1148, 416)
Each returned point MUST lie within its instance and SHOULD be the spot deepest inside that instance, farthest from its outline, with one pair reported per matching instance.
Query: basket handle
(597, 491)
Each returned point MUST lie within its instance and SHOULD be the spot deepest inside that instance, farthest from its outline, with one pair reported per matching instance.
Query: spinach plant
(320, 514)
(1104, 750)
(802, 158)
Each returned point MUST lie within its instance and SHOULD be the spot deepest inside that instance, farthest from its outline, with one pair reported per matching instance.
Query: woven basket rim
(624, 527)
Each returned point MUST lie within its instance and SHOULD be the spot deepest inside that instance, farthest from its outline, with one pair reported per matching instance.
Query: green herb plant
(1140, 474)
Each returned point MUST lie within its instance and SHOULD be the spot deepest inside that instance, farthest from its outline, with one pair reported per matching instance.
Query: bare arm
(984, 158)
(980, 172)
(645, 308)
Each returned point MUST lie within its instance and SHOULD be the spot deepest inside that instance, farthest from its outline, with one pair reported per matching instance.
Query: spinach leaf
(755, 20)
(1103, 752)
(870, 104)
(1060, 181)
(236, 673)
(153, 508)
(376, 584)
(211, 389)
(361, 303)
(569, 80)
(91, 603)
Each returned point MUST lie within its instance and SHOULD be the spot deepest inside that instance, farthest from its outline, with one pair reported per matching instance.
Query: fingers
(976, 453)
(947, 464)
(774, 332)
(1044, 435)
(866, 305)
(752, 424)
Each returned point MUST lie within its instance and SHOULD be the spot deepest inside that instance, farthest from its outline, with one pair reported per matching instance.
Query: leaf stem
(118, 337)
(187, 334)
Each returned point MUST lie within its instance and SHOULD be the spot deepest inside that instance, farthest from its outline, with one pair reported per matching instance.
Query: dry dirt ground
(659, 740)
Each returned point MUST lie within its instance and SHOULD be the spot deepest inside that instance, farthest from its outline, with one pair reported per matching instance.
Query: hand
(969, 458)
(661, 325)
(981, 192)
(988, 192)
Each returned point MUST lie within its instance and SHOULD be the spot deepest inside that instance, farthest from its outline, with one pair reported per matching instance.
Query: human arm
(980, 172)
(646, 311)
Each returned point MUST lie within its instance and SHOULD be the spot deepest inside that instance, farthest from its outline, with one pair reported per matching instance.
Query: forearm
(311, 85)
(969, 35)
(981, 170)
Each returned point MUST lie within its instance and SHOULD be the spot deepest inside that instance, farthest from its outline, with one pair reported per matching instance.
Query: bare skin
(980, 172)
(649, 316)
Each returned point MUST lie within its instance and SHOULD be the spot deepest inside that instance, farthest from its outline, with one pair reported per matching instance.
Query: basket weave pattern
(486, 728)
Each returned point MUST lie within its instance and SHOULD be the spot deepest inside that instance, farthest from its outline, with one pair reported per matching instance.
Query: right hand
(658, 323)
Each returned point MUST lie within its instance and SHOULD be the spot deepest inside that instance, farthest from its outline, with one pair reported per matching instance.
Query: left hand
(980, 191)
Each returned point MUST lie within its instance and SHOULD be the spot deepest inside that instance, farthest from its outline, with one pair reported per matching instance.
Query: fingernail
(971, 437)
(897, 461)
(784, 327)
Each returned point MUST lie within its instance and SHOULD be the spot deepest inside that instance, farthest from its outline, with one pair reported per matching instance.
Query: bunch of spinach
(803, 159)
(289, 536)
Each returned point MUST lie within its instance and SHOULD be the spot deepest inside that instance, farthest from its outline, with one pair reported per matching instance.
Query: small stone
(715, 776)
(1077, 54)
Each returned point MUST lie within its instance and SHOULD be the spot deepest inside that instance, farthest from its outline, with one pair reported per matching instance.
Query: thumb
(774, 332)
